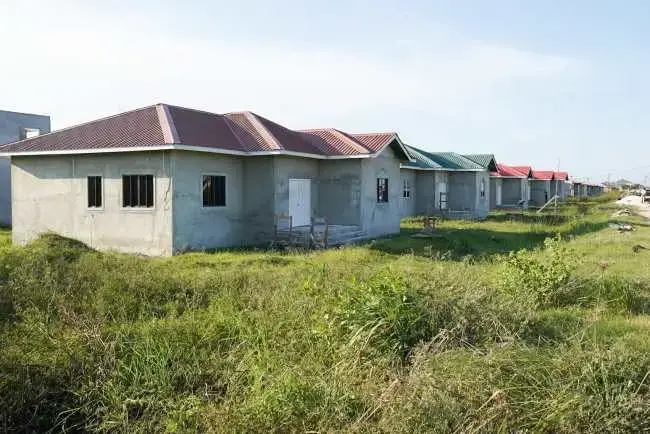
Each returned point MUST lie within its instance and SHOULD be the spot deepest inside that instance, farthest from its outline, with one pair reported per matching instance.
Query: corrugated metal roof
(335, 142)
(508, 171)
(137, 128)
(441, 160)
(563, 176)
(164, 124)
(527, 170)
(485, 160)
(422, 159)
(374, 141)
(543, 175)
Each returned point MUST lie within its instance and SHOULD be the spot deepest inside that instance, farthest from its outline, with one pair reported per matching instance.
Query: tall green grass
(457, 333)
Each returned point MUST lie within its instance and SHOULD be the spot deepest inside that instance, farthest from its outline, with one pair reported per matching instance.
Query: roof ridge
(228, 124)
(194, 110)
(85, 123)
(351, 141)
(374, 133)
(167, 124)
(264, 132)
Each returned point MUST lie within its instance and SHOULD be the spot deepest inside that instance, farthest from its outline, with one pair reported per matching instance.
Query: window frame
(406, 189)
(26, 131)
(216, 207)
(380, 178)
(137, 208)
(482, 189)
(96, 208)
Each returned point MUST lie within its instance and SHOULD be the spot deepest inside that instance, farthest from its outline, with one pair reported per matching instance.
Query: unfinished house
(445, 183)
(540, 187)
(509, 187)
(560, 186)
(165, 179)
(488, 161)
(15, 126)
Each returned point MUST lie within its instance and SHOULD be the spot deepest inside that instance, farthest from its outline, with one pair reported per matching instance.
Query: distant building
(13, 127)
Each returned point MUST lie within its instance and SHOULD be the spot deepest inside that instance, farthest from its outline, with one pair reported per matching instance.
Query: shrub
(536, 279)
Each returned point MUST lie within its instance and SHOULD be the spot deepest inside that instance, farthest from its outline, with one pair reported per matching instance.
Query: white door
(499, 186)
(442, 195)
(300, 201)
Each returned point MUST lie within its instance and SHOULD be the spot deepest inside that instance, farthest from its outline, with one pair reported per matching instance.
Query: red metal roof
(563, 176)
(374, 141)
(508, 171)
(137, 128)
(526, 170)
(335, 142)
(164, 124)
(543, 175)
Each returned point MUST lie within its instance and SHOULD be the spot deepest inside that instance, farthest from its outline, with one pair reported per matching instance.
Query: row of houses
(164, 179)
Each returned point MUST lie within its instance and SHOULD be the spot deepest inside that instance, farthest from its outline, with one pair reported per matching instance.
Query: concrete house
(540, 187)
(445, 183)
(560, 186)
(509, 187)
(487, 161)
(164, 179)
(15, 126)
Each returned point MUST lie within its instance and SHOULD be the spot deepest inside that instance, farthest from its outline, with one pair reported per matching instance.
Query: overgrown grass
(455, 333)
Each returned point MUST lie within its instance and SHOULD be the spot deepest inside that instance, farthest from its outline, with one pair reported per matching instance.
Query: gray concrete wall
(285, 168)
(512, 191)
(196, 227)
(425, 191)
(408, 205)
(494, 185)
(482, 208)
(339, 196)
(462, 191)
(258, 197)
(50, 194)
(380, 218)
(540, 192)
(12, 129)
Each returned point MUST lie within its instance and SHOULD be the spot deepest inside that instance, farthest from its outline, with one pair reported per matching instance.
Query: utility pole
(557, 183)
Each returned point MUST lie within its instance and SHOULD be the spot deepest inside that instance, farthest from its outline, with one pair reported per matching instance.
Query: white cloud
(85, 64)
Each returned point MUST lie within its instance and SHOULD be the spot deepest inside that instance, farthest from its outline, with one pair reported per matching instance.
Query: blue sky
(530, 81)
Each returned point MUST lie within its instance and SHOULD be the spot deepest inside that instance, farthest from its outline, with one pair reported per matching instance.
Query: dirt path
(635, 202)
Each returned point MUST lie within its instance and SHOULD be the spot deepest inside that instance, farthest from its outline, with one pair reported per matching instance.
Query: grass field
(455, 333)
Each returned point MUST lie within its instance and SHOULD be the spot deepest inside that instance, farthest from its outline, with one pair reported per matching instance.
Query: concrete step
(348, 240)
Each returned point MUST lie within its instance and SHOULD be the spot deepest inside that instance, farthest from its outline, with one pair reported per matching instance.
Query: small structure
(15, 126)
(445, 183)
(164, 179)
(540, 191)
(560, 185)
(509, 186)
(488, 162)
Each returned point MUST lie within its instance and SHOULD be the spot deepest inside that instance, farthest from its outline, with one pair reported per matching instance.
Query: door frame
(308, 209)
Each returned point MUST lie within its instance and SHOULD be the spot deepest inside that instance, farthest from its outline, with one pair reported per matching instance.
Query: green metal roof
(485, 160)
(440, 160)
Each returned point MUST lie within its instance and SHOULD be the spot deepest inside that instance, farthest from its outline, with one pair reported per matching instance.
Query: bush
(537, 280)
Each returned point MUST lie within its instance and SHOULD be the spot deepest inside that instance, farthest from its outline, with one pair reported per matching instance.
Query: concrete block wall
(339, 197)
(50, 194)
(408, 205)
(495, 184)
(12, 129)
(196, 227)
(512, 191)
(380, 218)
(540, 192)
